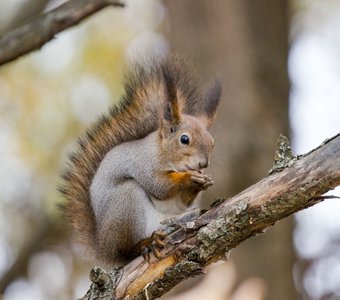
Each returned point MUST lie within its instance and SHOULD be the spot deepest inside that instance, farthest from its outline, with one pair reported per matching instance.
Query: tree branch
(199, 238)
(34, 35)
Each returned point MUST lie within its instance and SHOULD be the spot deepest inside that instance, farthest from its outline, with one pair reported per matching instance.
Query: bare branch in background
(34, 35)
(26, 11)
(197, 238)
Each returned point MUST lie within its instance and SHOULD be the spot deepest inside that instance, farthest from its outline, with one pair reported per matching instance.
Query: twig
(198, 239)
(34, 35)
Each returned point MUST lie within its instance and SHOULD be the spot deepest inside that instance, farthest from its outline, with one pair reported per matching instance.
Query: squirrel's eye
(185, 139)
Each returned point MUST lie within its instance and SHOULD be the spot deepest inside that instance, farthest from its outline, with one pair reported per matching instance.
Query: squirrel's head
(185, 140)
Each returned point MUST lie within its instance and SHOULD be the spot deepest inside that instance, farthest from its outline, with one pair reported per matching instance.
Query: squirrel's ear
(172, 113)
(211, 102)
(171, 118)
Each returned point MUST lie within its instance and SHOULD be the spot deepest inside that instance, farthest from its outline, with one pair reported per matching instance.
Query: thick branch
(34, 35)
(197, 238)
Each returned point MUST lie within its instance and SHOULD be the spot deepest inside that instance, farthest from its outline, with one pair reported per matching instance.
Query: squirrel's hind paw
(152, 244)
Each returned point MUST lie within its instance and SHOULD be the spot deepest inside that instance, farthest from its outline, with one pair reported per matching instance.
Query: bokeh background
(279, 62)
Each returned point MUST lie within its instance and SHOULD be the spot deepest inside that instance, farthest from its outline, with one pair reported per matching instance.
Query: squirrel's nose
(204, 163)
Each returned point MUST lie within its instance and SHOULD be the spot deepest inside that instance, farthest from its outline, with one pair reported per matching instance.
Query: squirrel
(142, 162)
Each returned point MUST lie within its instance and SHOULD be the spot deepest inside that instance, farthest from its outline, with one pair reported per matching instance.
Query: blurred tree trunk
(246, 44)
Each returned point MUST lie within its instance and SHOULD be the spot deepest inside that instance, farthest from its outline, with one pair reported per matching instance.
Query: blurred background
(280, 66)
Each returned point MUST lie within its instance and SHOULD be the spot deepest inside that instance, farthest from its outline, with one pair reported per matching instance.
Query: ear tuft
(167, 112)
(172, 114)
(211, 102)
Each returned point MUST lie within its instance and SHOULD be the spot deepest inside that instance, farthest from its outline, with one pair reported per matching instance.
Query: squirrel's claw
(158, 242)
(156, 253)
(145, 253)
(208, 182)
(158, 237)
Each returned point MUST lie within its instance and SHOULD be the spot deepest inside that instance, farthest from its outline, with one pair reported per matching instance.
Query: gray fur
(123, 192)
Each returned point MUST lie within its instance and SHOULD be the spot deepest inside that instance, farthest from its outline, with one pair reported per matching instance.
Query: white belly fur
(160, 210)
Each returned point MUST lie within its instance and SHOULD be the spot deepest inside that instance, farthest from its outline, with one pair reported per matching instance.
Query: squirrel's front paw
(200, 180)
(191, 179)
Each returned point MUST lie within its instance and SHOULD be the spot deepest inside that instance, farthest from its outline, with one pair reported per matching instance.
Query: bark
(34, 35)
(199, 238)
